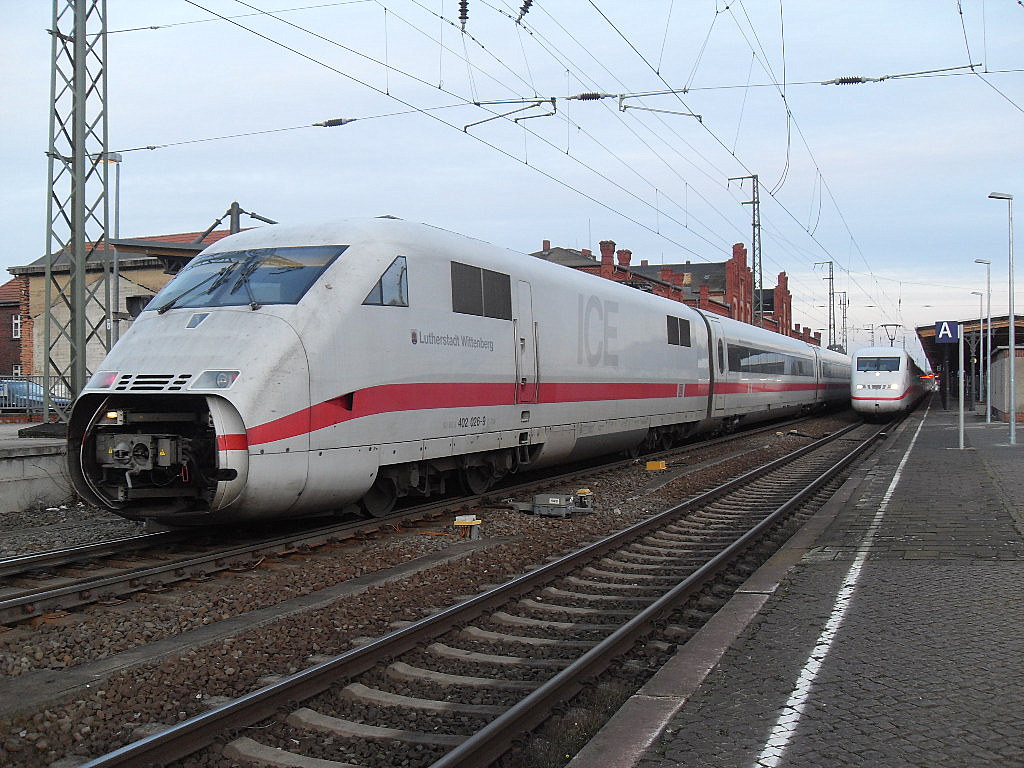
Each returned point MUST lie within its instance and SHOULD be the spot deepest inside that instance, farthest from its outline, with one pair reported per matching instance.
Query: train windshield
(878, 363)
(254, 277)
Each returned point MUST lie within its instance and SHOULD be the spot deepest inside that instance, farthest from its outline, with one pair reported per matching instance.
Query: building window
(16, 370)
(15, 326)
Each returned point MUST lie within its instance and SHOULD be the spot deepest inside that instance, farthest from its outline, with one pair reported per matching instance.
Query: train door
(526, 346)
(718, 354)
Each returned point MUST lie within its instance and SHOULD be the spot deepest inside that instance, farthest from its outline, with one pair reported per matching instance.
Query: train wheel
(476, 480)
(381, 497)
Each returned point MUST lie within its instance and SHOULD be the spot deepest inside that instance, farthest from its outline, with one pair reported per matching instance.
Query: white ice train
(885, 381)
(291, 371)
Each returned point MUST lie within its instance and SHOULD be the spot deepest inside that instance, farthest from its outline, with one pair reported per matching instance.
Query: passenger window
(392, 290)
(678, 331)
(481, 292)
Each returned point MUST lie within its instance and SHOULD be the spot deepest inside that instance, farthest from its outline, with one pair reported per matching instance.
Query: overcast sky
(887, 180)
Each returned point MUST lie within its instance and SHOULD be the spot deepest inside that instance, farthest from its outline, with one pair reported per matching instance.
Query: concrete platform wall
(33, 475)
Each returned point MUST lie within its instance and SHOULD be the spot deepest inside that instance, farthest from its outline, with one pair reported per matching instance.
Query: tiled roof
(10, 292)
(130, 257)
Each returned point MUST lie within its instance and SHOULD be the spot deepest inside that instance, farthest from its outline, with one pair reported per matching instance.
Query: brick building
(10, 327)
(724, 288)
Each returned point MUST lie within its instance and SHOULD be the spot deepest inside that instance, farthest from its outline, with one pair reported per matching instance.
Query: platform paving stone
(927, 668)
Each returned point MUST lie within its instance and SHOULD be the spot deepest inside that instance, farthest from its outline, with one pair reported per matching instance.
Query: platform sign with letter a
(947, 332)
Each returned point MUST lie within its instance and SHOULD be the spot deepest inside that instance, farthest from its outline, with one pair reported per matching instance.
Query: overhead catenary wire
(660, 201)
(294, 25)
(504, 152)
(478, 103)
(714, 136)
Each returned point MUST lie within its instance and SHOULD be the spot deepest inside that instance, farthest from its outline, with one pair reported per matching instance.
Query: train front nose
(177, 458)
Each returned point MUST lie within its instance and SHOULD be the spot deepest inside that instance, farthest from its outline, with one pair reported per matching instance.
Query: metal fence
(25, 394)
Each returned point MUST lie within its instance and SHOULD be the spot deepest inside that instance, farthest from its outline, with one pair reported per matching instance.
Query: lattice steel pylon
(76, 316)
(757, 289)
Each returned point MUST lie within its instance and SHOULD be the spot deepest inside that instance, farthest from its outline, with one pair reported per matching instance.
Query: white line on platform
(787, 722)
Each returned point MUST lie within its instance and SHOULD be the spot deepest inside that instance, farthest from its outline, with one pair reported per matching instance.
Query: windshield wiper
(218, 277)
(243, 280)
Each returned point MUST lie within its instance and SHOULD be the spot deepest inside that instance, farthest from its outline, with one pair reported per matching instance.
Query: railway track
(460, 687)
(67, 579)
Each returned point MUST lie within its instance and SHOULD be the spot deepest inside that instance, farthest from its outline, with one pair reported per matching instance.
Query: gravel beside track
(123, 706)
(44, 528)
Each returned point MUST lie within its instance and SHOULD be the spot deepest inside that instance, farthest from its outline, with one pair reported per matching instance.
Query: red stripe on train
(394, 398)
(232, 443)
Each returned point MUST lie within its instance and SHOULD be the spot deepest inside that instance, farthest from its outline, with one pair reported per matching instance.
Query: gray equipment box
(557, 504)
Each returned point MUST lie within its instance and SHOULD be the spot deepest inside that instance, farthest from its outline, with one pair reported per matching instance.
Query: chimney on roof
(586, 252)
(643, 262)
(607, 251)
(547, 246)
(624, 257)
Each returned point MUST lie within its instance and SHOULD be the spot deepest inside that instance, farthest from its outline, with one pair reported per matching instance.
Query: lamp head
(982, 261)
(1000, 196)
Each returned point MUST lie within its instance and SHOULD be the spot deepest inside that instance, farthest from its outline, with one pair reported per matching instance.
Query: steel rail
(12, 566)
(33, 603)
(191, 735)
(498, 736)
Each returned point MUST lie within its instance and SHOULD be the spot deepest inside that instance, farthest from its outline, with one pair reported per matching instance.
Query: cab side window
(392, 290)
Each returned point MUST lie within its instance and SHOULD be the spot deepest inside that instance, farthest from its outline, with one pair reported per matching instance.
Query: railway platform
(888, 632)
(32, 469)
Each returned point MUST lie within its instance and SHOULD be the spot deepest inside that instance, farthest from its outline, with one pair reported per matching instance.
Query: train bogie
(300, 370)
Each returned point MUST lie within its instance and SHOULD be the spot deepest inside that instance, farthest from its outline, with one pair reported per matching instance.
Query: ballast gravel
(103, 716)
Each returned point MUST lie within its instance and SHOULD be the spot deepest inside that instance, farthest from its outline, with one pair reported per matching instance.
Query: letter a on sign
(947, 332)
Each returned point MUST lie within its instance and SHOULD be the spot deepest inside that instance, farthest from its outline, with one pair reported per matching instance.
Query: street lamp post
(1013, 322)
(987, 369)
(115, 158)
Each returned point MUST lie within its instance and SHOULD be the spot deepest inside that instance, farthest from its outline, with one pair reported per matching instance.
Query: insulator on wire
(855, 80)
(463, 12)
(592, 96)
(524, 10)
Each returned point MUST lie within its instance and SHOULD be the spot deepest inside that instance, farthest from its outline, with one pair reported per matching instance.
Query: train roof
(425, 236)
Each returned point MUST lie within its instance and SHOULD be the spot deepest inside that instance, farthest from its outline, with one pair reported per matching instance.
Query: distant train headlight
(215, 380)
(860, 386)
(894, 386)
(102, 380)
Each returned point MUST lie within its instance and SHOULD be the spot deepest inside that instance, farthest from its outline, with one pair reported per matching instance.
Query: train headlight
(112, 418)
(860, 386)
(215, 380)
(894, 386)
(102, 380)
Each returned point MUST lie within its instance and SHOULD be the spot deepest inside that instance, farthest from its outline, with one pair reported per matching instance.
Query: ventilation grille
(152, 382)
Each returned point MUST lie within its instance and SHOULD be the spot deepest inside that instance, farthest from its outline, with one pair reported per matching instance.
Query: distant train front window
(254, 277)
(878, 363)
